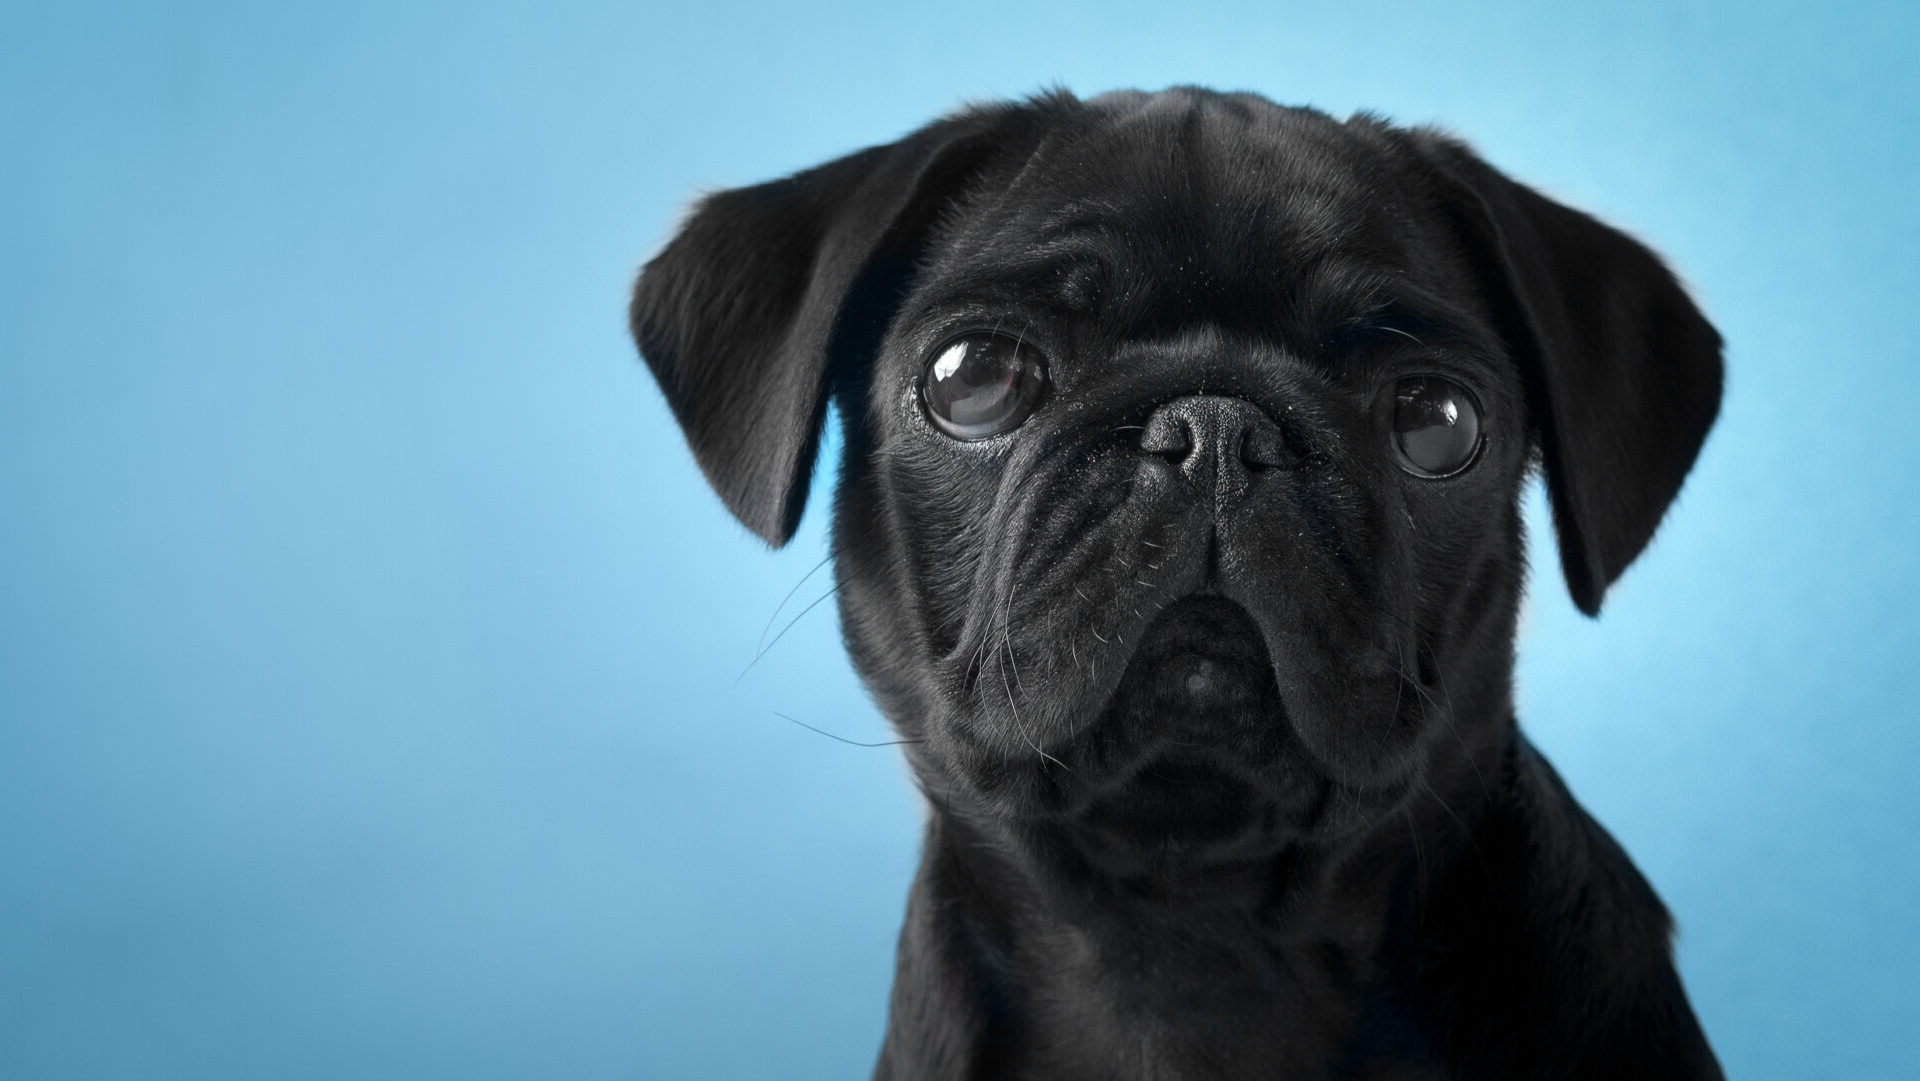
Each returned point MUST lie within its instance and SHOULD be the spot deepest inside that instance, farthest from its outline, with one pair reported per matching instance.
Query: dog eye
(1436, 426)
(982, 385)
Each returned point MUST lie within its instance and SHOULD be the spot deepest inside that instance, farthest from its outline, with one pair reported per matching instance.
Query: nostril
(1169, 436)
(1262, 447)
(1209, 436)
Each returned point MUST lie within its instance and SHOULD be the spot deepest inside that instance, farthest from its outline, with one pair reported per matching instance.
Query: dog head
(1179, 522)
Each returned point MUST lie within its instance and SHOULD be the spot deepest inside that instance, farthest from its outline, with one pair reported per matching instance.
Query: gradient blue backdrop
(368, 638)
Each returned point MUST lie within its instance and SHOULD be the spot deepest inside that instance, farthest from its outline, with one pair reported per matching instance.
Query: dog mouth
(1202, 663)
(1194, 753)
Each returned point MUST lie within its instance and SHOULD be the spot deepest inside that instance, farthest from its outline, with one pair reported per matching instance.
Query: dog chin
(1194, 760)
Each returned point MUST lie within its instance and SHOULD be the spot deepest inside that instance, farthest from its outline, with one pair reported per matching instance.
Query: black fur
(1210, 700)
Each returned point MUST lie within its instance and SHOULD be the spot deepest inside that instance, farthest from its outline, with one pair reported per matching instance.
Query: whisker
(1457, 820)
(1419, 853)
(783, 632)
(762, 641)
(1447, 712)
(1025, 736)
(842, 739)
(1006, 636)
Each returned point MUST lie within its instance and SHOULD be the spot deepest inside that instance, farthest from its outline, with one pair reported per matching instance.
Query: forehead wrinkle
(1270, 220)
(1066, 256)
(1068, 279)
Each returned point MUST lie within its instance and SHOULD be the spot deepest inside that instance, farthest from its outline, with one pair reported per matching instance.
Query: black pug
(1179, 533)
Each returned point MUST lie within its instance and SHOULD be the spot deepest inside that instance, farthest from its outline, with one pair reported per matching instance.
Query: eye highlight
(981, 385)
(1436, 426)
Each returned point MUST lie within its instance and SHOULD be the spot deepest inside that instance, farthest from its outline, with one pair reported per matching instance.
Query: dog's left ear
(759, 306)
(1623, 372)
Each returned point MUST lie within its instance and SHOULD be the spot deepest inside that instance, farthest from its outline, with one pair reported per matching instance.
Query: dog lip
(1202, 656)
(1203, 666)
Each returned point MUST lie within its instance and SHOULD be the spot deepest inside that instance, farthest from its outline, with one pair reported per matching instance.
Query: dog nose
(1217, 442)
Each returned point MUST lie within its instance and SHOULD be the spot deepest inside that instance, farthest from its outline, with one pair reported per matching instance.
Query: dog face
(1185, 433)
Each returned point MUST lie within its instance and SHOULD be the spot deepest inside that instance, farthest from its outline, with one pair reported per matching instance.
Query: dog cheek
(1329, 576)
(1447, 579)
(878, 612)
(923, 535)
(938, 524)
(905, 546)
(1469, 604)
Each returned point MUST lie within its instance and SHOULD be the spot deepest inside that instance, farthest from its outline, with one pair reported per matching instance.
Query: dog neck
(1053, 970)
(1437, 944)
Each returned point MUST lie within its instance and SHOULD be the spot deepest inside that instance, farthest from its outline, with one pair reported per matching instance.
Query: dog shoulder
(953, 1005)
(1560, 958)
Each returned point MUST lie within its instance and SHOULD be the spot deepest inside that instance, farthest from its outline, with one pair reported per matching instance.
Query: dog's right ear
(1623, 372)
(745, 316)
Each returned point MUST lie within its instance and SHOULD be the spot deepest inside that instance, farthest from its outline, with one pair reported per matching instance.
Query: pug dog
(1179, 536)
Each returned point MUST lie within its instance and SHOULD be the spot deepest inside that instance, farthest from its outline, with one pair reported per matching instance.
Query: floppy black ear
(745, 317)
(1623, 372)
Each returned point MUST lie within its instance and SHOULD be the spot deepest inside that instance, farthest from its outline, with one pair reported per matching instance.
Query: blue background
(368, 639)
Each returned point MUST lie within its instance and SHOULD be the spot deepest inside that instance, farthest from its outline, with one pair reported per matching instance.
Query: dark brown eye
(982, 385)
(1436, 426)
